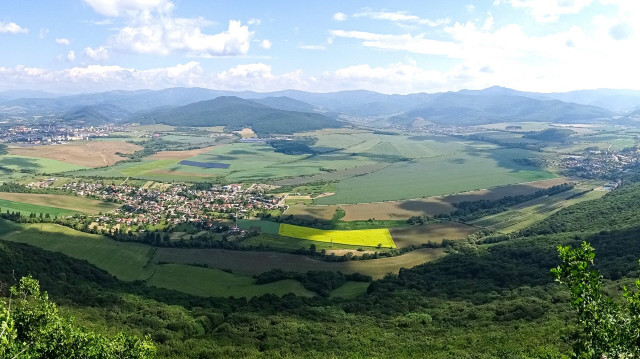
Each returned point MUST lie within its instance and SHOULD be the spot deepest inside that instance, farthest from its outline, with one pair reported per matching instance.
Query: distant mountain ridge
(493, 104)
(236, 113)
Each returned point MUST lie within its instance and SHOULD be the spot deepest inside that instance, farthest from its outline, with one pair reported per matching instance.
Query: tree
(31, 327)
(605, 329)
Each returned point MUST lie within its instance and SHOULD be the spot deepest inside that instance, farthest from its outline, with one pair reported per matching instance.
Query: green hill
(236, 113)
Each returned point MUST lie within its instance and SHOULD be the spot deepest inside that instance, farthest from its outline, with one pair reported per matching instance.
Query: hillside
(236, 113)
(466, 109)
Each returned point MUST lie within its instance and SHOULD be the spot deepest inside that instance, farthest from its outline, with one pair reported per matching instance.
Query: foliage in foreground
(606, 329)
(31, 327)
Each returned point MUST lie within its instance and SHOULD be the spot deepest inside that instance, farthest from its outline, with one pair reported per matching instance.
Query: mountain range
(193, 107)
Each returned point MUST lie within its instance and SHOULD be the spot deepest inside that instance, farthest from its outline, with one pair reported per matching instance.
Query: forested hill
(236, 113)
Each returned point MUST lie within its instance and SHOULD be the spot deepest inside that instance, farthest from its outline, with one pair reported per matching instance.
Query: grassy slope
(70, 203)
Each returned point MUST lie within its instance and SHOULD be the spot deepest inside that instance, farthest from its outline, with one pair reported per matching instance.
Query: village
(172, 204)
(54, 134)
(603, 164)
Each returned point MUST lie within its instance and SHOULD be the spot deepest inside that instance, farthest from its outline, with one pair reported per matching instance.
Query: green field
(214, 282)
(264, 226)
(26, 209)
(71, 204)
(477, 167)
(38, 165)
(127, 261)
(361, 237)
(530, 212)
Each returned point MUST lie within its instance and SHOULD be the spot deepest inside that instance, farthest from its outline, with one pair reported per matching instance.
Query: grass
(363, 237)
(528, 213)
(214, 282)
(60, 202)
(127, 261)
(350, 290)
(474, 168)
(255, 262)
(290, 244)
(264, 226)
(39, 165)
(27, 208)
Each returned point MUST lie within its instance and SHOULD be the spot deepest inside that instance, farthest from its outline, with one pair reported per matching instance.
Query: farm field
(178, 155)
(290, 244)
(127, 261)
(432, 232)
(28, 208)
(36, 164)
(86, 154)
(394, 209)
(215, 282)
(530, 212)
(71, 203)
(264, 226)
(255, 262)
(478, 167)
(362, 237)
(312, 212)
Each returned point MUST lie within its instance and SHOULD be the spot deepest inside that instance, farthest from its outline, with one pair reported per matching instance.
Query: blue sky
(72, 46)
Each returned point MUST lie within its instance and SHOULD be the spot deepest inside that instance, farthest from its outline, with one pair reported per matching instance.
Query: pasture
(263, 226)
(432, 232)
(178, 155)
(361, 237)
(349, 290)
(86, 154)
(530, 212)
(60, 202)
(475, 168)
(127, 261)
(36, 164)
(255, 262)
(215, 282)
(27, 208)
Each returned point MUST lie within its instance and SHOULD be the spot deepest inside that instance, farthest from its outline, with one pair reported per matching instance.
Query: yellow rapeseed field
(360, 237)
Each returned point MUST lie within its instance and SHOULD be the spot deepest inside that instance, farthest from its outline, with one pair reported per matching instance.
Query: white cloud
(340, 16)
(116, 8)
(183, 35)
(71, 56)
(313, 47)
(99, 54)
(407, 42)
(152, 29)
(12, 28)
(265, 44)
(470, 7)
(400, 16)
(254, 21)
(549, 10)
(62, 41)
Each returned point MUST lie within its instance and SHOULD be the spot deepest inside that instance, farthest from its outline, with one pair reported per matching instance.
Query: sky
(73, 46)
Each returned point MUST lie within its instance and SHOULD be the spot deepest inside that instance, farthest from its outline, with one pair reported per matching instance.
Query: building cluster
(604, 164)
(50, 134)
(176, 203)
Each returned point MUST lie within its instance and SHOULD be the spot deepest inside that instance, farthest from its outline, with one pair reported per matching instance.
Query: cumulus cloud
(151, 28)
(549, 10)
(12, 28)
(99, 54)
(183, 35)
(62, 41)
(265, 44)
(71, 56)
(340, 16)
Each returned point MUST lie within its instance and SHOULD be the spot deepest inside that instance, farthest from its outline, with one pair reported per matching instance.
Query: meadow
(28, 208)
(362, 237)
(60, 203)
(36, 164)
(525, 214)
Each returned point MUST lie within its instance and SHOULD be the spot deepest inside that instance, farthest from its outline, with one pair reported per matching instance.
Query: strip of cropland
(359, 237)
(60, 202)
